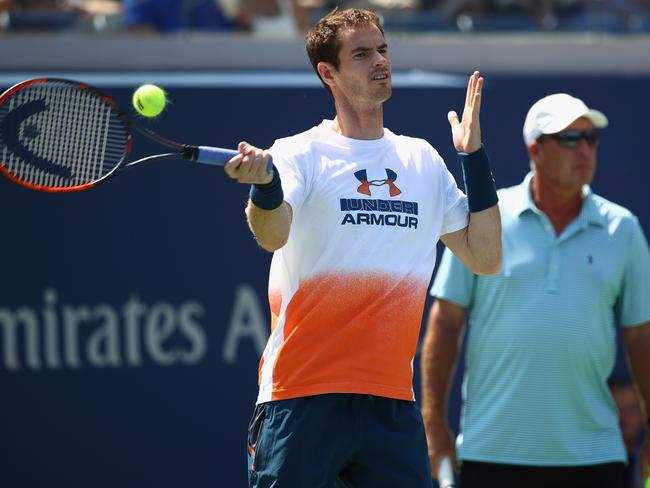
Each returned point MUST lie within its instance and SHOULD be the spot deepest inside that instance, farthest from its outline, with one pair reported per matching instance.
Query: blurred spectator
(171, 16)
(510, 14)
(634, 14)
(548, 12)
(38, 15)
(42, 5)
(566, 15)
(277, 17)
(5, 5)
(632, 425)
(316, 8)
(56, 15)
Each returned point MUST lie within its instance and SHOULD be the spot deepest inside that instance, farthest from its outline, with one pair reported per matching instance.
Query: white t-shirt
(347, 290)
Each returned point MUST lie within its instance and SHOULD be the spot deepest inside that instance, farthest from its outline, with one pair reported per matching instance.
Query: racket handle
(214, 155)
(446, 473)
(220, 156)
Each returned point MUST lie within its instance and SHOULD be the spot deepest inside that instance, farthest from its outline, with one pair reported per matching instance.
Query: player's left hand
(466, 133)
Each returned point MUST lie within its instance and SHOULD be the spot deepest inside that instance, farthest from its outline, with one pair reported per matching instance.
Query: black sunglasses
(571, 138)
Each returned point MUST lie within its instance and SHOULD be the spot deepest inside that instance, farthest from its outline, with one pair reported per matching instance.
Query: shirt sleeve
(633, 306)
(291, 168)
(453, 281)
(456, 209)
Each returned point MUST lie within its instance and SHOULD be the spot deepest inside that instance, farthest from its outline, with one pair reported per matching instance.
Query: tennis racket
(446, 473)
(59, 135)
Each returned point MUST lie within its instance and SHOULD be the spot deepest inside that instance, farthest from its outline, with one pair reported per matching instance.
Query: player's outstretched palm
(466, 133)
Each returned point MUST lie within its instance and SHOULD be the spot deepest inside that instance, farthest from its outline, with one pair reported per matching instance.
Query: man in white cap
(537, 411)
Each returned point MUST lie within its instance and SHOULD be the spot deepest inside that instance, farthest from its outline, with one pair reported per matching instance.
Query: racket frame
(183, 151)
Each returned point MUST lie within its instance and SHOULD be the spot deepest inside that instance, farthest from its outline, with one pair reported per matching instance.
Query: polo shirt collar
(589, 214)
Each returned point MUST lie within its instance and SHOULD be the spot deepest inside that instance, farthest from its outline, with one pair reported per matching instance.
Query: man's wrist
(268, 196)
(479, 183)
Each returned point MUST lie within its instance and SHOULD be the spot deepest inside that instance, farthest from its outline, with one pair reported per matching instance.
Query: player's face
(364, 73)
(567, 167)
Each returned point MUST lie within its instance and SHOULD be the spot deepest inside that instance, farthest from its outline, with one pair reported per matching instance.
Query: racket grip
(220, 156)
(446, 473)
(214, 155)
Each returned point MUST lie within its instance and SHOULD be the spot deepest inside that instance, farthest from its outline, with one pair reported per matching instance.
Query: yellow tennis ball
(149, 100)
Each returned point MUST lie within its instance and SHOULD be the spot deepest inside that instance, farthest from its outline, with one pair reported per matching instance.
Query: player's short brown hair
(323, 41)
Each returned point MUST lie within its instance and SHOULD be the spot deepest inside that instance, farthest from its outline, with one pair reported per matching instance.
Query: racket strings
(60, 135)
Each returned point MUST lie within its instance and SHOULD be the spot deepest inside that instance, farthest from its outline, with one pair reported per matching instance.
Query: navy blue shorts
(338, 440)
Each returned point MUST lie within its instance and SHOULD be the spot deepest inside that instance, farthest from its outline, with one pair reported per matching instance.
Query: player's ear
(326, 72)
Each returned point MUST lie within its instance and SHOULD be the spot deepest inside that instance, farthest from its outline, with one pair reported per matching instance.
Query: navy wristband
(479, 183)
(270, 195)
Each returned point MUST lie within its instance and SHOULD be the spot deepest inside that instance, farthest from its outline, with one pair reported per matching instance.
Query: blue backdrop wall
(132, 316)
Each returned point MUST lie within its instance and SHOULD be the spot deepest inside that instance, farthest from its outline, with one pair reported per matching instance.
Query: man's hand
(466, 133)
(441, 444)
(250, 165)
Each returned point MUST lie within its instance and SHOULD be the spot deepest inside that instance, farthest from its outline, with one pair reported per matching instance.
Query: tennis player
(353, 213)
(537, 410)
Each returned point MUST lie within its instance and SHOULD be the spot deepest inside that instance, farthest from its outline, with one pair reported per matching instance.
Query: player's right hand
(250, 166)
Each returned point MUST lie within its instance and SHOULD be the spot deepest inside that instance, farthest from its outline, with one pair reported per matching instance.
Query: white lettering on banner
(193, 332)
(246, 321)
(103, 348)
(71, 336)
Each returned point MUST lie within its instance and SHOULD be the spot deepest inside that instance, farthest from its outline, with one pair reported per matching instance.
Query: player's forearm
(440, 348)
(637, 344)
(484, 241)
(483, 235)
(269, 227)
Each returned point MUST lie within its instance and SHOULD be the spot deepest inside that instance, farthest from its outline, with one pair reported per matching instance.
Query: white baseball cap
(556, 112)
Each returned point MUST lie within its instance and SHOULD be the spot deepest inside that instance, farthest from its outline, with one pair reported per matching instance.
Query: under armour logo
(365, 185)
